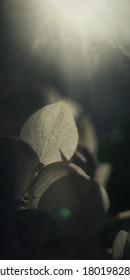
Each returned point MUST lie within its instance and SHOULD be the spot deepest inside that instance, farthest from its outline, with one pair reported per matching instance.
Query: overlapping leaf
(46, 177)
(18, 167)
(75, 204)
(50, 130)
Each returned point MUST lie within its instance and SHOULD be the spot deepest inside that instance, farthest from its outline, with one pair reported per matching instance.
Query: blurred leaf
(105, 198)
(103, 173)
(124, 214)
(52, 95)
(76, 107)
(50, 130)
(83, 158)
(119, 244)
(19, 164)
(88, 135)
(35, 228)
(126, 255)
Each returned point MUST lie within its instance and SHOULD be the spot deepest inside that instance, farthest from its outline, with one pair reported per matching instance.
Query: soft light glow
(65, 213)
(75, 10)
(77, 37)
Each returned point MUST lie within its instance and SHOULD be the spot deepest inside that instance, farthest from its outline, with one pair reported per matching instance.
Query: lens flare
(65, 213)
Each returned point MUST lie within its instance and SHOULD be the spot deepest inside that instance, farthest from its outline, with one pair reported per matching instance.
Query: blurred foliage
(115, 149)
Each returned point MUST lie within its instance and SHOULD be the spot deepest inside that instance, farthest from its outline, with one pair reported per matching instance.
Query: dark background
(41, 47)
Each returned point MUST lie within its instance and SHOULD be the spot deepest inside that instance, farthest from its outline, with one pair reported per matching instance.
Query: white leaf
(105, 198)
(124, 214)
(103, 173)
(88, 135)
(50, 130)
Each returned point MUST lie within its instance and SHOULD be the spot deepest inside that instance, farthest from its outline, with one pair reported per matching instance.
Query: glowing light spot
(74, 9)
(65, 213)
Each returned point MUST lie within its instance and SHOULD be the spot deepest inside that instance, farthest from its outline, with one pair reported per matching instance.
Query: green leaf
(119, 244)
(50, 130)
